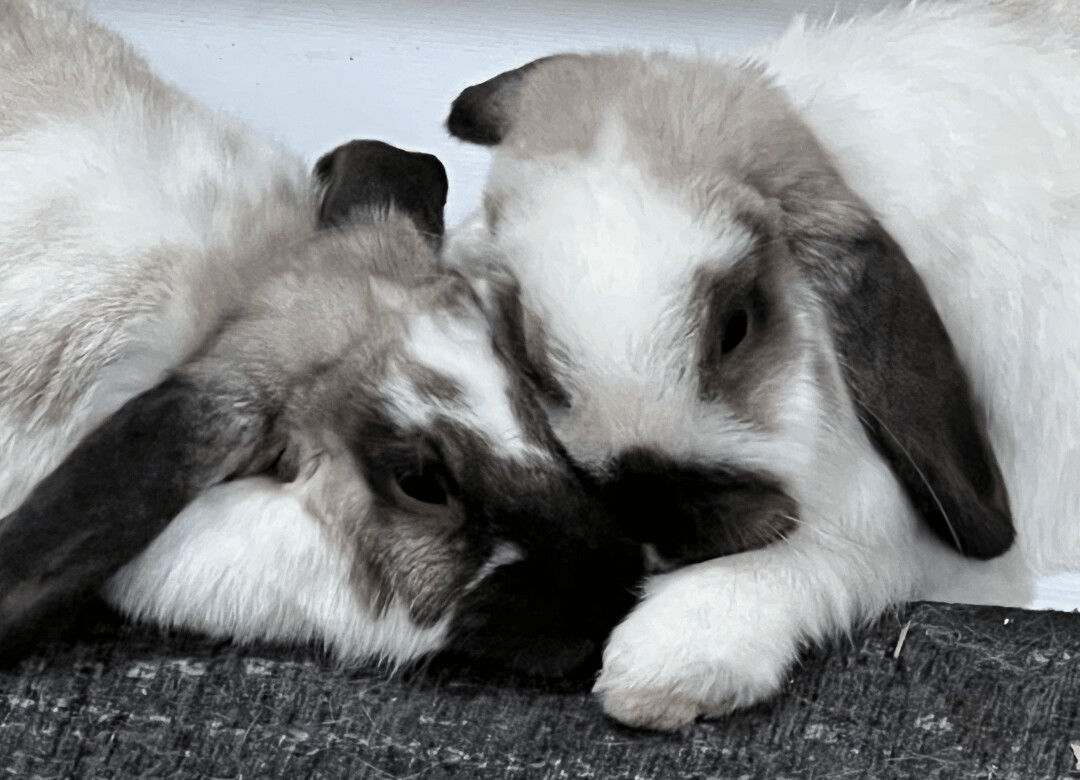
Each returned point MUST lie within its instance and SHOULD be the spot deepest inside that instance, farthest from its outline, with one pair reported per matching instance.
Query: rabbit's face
(712, 316)
(427, 454)
(679, 349)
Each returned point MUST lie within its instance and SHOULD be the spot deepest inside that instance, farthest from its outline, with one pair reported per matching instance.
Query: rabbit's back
(130, 219)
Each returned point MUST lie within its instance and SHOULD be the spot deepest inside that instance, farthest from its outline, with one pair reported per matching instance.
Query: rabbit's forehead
(607, 256)
(447, 369)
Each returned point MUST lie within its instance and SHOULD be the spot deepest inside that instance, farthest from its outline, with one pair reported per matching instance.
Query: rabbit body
(837, 347)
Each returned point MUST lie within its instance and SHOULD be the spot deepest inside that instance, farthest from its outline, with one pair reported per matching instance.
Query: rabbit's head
(714, 320)
(361, 377)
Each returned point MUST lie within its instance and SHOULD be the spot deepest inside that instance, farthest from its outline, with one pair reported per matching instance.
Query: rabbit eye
(426, 488)
(735, 329)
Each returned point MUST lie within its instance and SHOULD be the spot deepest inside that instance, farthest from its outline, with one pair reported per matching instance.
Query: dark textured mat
(974, 692)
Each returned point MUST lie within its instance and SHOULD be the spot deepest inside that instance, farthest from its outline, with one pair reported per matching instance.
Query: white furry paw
(651, 708)
(666, 667)
(676, 695)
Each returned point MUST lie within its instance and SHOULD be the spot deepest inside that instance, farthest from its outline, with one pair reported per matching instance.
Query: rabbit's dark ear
(116, 491)
(370, 175)
(482, 113)
(911, 392)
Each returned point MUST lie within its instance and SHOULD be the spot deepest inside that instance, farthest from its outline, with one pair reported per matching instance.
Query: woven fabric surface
(969, 692)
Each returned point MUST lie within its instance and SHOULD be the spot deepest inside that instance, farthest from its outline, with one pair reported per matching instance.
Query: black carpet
(974, 692)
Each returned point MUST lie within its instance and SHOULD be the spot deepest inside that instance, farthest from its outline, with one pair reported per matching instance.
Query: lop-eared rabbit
(257, 389)
(810, 316)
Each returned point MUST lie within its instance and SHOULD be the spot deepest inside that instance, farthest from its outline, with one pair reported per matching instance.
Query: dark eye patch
(400, 462)
(734, 305)
(744, 330)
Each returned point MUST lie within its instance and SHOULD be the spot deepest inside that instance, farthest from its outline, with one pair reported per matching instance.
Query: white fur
(591, 213)
(451, 346)
(246, 561)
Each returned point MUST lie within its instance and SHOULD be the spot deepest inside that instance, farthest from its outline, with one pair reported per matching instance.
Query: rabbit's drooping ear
(911, 393)
(481, 114)
(116, 491)
(372, 175)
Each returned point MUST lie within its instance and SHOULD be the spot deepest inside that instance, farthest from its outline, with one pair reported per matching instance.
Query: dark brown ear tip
(324, 167)
(481, 113)
(469, 119)
(976, 526)
(995, 538)
(363, 151)
(369, 174)
(438, 171)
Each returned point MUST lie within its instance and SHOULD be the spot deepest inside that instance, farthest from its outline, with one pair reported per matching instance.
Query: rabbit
(808, 317)
(246, 400)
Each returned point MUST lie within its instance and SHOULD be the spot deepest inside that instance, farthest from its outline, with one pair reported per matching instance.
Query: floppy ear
(481, 114)
(363, 175)
(116, 491)
(912, 394)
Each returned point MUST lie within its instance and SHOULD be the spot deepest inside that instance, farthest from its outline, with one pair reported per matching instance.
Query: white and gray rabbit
(248, 401)
(810, 316)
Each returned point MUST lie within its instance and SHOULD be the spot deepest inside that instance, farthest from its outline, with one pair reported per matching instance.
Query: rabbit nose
(692, 512)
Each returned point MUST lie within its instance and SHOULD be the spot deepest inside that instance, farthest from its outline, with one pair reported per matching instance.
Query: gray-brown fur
(520, 335)
(754, 298)
(60, 69)
(37, 42)
(290, 382)
(328, 376)
(433, 385)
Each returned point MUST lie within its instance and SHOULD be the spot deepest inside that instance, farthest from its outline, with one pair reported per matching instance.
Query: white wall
(314, 73)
